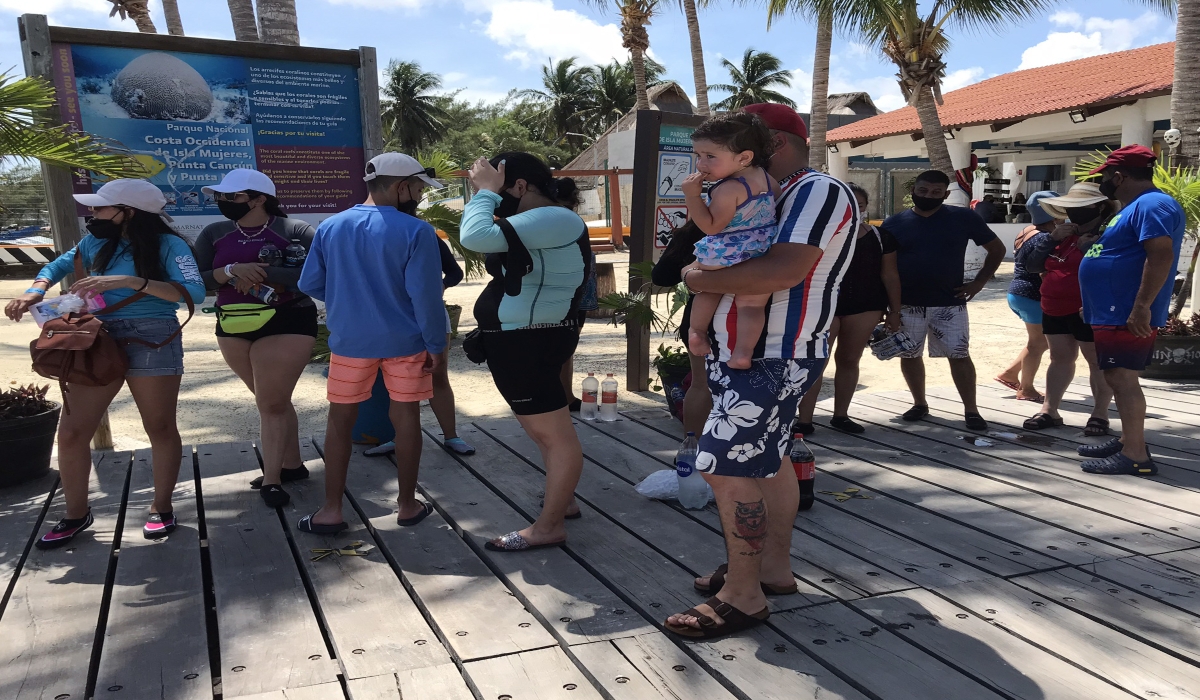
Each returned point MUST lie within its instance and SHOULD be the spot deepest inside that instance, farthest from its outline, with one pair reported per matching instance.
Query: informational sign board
(191, 117)
(666, 220)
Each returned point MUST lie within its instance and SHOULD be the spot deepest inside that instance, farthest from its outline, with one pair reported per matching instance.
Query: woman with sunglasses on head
(266, 337)
(128, 252)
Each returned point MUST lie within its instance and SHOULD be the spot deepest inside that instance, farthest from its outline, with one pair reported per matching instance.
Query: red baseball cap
(779, 118)
(1136, 156)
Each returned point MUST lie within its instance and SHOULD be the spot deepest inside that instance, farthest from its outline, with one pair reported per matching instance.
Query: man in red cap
(743, 448)
(1126, 281)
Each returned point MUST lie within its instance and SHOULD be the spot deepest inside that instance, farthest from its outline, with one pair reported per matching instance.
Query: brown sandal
(716, 582)
(1096, 427)
(733, 620)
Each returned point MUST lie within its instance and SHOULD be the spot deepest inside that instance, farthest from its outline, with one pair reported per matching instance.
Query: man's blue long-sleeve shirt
(379, 273)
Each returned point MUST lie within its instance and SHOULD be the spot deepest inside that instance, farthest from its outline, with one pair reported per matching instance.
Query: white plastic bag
(663, 485)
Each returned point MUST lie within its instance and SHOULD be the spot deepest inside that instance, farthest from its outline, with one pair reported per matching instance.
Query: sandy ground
(214, 406)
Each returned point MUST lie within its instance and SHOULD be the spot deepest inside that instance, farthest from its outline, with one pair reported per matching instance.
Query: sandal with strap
(716, 581)
(1041, 421)
(1096, 427)
(732, 620)
(1015, 386)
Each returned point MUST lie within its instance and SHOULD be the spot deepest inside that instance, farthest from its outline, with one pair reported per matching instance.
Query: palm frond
(447, 220)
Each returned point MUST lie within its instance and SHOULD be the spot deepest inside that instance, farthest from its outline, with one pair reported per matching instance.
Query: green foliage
(22, 197)
(413, 118)
(673, 356)
(752, 81)
(638, 307)
(442, 217)
(24, 401)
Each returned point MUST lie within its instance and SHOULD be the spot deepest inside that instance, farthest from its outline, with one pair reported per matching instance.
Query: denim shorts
(145, 361)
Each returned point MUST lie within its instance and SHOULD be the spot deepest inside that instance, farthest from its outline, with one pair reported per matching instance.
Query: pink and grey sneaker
(64, 531)
(159, 525)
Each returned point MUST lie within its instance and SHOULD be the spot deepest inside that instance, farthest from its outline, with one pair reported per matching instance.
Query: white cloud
(382, 4)
(1098, 36)
(48, 6)
(961, 78)
(454, 77)
(535, 30)
(1067, 18)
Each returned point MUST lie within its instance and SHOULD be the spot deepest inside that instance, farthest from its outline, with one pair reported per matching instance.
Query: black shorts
(289, 320)
(1071, 324)
(526, 365)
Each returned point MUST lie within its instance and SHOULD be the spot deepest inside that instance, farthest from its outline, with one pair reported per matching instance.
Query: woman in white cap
(128, 252)
(1056, 256)
(266, 327)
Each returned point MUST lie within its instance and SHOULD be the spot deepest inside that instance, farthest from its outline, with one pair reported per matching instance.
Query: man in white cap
(378, 269)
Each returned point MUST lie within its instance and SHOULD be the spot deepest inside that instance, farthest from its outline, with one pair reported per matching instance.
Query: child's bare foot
(739, 361)
(698, 343)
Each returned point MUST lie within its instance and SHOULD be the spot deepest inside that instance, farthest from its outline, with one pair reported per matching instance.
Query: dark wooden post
(614, 216)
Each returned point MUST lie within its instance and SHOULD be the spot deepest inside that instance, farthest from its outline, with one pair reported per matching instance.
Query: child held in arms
(738, 220)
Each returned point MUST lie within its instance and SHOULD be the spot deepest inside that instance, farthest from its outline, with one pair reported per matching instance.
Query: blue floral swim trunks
(746, 433)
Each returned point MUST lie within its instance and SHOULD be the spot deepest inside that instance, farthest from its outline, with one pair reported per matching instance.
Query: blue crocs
(1120, 464)
(1099, 450)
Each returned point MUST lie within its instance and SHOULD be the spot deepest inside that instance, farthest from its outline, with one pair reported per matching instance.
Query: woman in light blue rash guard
(537, 250)
(129, 251)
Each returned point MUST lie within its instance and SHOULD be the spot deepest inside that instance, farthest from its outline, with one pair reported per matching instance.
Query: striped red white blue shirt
(818, 210)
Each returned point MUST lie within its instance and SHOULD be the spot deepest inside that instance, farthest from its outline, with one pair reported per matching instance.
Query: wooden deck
(967, 572)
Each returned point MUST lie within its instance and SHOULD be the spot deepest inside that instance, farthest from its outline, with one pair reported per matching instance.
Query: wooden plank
(1138, 616)
(1083, 505)
(49, 625)
(1153, 579)
(1189, 560)
(475, 615)
(158, 594)
(814, 562)
(653, 584)
(22, 509)
(544, 674)
(908, 558)
(443, 682)
(991, 655)
(669, 532)
(1135, 667)
(324, 691)
(372, 623)
(570, 601)
(670, 671)
(897, 669)
(616, 675)
(266, 624)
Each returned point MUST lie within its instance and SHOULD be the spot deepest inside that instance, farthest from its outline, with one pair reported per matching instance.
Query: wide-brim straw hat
(1081, 194)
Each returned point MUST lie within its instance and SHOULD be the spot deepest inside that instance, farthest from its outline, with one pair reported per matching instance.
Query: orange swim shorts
(351, 378)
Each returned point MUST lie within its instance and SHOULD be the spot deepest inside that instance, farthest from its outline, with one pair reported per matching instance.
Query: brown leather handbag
(75, 349)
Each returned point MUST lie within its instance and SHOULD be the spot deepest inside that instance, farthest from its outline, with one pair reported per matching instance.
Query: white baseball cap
(240, 180)
(400, 165)
(138, 194)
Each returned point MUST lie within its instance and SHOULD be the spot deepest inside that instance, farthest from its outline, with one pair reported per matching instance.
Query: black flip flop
(1096, 427)
(975, 421)
(426, 509)
(306, 524)
(1041, 421)
(915, 413)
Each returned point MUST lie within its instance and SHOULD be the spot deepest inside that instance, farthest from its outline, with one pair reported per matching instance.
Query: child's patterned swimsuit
(748, 235)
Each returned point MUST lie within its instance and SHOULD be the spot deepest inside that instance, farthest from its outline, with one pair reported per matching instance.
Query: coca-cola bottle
(806, 470)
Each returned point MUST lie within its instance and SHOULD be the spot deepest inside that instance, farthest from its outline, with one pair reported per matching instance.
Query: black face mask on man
(104, 229)
(927, 203)
(234, 211)
(1108, 188)
(508, 205)
(1084, 216)
(410, 205)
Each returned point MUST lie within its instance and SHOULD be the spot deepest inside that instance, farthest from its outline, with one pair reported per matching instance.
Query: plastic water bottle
(270, 255)
(264, 293)
(589, 396)
(608, 399)
(693, 491)
(806, 470)
(294, 254)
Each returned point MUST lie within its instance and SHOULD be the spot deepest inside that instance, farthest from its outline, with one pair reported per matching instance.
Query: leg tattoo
(750, 525)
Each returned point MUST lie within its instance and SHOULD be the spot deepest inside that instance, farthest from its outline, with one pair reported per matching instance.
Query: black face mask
(1082, 216)
(234, 211)
(927, 203)
(409, 207)
(104, 229)
(1108, 188)
(508, 205)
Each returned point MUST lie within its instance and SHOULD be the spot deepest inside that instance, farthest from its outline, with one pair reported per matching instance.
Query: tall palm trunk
(277, 22)
(935, 137)
(137, 11)
(174, 22)
(635, 38)
(701, 80)
(245, 28)
(818, 120)
(639, 79)
(1185, 98)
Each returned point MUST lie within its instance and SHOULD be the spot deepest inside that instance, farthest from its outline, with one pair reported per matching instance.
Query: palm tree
(917, 42)
(1185, 96)
(174, 21)
(412, 117)
(818, 120)
(567, 94)
(753, 80)
(613, 95)
(245, 27)
(698, 76)
(635, 15)
(26, 133)
(277, 22)
(135, 10)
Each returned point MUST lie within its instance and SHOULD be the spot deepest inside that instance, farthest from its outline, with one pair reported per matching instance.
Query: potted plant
(673, 368)
(28, 422)
(1177, 351)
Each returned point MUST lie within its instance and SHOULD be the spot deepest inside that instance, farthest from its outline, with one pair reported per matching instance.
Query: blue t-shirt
(932, 250)
(1111, 271)
(379, 273)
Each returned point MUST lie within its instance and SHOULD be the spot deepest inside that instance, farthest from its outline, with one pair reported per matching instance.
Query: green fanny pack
(244, 318)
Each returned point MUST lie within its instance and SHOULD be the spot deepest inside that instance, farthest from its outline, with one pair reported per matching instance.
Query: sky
(484, 48)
